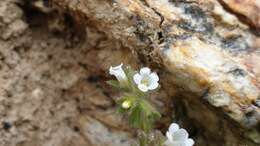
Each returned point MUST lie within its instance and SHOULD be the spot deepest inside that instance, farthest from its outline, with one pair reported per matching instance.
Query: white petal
(153, 86)
(169, 136)
(142, 87)
(173, 128)
(113, 69)
(154, 77)
(167, 143)
(145, 71)
(137, 78)
(180, 135)
(118, 72)
(179, 143)
(174, 143)
(190, 142)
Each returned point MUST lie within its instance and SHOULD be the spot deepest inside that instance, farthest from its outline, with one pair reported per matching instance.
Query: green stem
(143, 137)
(143, 140)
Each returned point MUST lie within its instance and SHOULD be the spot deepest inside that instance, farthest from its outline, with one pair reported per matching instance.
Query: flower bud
(126, 104)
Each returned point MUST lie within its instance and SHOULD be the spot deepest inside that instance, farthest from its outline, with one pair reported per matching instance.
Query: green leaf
(135, 116)
(121, 110)
(130, 73)
(142, 115)
(149, 109)
(114, 84)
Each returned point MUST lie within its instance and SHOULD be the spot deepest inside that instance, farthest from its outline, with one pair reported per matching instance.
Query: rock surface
(209, 53)
(246, 10)
(55, 55)
(52, 91)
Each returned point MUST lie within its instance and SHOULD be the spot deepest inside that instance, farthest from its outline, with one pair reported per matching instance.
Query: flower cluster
(145, 80)
(135, 86)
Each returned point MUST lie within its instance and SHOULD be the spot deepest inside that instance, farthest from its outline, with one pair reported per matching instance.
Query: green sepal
(129, 74)
(142, 115)
(117, 85)
(121, 110)
(114, 84)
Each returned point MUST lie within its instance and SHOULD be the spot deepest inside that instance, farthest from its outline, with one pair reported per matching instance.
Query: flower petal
(142, 87)
(118, 72)
(168, 143)
(153, 85)
(174, 143)
(137, 78)
(190, 142)
(169, 136)
(154, 77)
(173, 128)
(118, 67)
(180, 135)
(145, 71)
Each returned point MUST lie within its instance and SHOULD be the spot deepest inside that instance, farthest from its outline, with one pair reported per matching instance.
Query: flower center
(145, 81)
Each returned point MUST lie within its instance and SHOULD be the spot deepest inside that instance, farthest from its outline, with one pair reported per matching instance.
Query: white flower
(177, 136)
(118, 72)
(146, 80)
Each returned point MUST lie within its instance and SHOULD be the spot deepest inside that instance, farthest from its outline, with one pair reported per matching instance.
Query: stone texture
(52, 90)
(247, 10)
(55, 55)
(206, 51)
